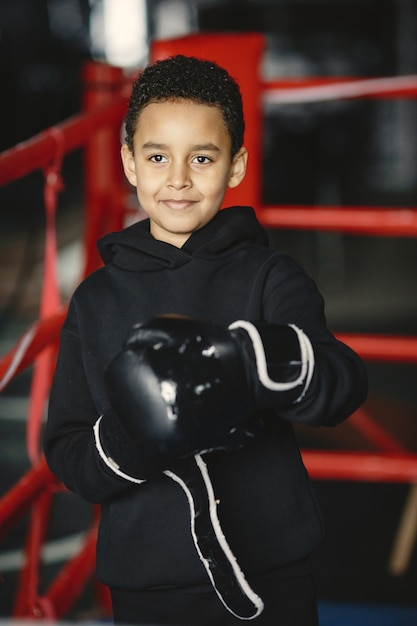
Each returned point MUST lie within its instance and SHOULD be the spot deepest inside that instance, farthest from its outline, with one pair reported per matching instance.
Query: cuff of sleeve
(101, 441)
(302, 363)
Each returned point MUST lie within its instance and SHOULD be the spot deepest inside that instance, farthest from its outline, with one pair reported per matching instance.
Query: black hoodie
(223, 273)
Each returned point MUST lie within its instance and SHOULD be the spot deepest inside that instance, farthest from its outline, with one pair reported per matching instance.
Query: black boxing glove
(279, 361)
(178, 387)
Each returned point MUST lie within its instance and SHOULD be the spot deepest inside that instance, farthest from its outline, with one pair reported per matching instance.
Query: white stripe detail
(21, 349)
(307, 359)
(307, 353)
(338, 91)
(108, 460)
(55, 551)
(257, 601)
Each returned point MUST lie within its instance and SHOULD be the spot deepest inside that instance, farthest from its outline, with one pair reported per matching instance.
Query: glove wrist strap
(301, 360)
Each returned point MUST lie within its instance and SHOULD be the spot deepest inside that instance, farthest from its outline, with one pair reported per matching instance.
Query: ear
(128, 161)
(238, 171)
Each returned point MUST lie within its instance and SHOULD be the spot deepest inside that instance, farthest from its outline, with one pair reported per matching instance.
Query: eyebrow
(204, 147)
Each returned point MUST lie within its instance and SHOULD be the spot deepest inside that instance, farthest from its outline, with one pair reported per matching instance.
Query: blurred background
(347, 152)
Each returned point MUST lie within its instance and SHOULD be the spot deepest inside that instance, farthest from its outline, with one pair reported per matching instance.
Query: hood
(135, 249)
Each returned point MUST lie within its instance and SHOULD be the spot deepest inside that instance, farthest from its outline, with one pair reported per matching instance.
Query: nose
(178, 176)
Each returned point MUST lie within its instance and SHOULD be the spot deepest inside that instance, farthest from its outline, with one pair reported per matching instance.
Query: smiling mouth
(178, 205)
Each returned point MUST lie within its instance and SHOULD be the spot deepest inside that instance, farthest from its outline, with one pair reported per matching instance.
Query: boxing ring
(96, 130)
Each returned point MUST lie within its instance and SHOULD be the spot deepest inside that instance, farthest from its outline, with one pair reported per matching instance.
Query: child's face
(181, 166)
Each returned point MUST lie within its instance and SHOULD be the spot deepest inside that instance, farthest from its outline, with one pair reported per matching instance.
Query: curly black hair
(188, 78)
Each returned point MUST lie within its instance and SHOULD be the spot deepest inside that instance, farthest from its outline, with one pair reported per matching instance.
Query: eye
(201, 160)
(158, 158)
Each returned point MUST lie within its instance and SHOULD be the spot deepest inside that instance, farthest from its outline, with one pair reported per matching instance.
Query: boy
(185, 360)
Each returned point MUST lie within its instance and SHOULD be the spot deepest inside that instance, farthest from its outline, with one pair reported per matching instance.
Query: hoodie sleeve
(323, 381)
(69, 443)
